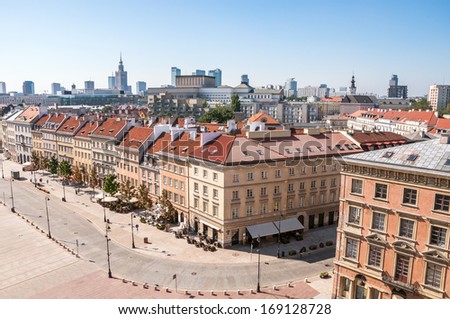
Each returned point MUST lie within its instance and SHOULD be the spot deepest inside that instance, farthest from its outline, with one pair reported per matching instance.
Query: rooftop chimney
(445, 138)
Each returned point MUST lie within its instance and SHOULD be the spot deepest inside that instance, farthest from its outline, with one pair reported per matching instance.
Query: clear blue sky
(314, 41)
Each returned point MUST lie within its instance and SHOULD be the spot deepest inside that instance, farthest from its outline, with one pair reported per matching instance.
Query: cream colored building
(65, 137)
(439, 96)
(82, 146)
(240, 186)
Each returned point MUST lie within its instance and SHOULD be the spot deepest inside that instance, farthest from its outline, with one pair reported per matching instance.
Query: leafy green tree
(93, 179)
(77, 176)
(422, 104)
(53, 165)
(44, 162)
(35, 160)
(220, 114)
(235, 103)
(65, 170)
(111, 186)
(126, 190)
(168, 212)
(144, 198)
(84, 174)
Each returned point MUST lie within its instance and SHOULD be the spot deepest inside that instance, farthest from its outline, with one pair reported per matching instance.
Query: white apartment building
(439, 96)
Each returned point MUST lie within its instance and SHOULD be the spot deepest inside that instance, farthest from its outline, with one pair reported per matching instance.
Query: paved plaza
(38, 267)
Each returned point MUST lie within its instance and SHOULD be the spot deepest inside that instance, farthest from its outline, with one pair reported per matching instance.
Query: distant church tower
(352, 87)
(121, 77)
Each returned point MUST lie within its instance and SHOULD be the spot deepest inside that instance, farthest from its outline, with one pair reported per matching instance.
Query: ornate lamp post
(108, 254)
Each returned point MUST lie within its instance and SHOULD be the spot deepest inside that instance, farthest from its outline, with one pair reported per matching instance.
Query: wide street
(80, 219)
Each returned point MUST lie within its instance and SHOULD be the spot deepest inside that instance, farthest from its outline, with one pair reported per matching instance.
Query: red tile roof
(87, 129)
(42, 120)
(183, 146)
(216, 150)
(263, 117)
(374, 137)
(72, 125)
(443, 124)
(111, 127)
(136, 136)
(160, 143)
(54, 121)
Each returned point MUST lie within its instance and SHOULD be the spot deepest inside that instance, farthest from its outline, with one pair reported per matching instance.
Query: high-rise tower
(352, 87)
(121, 77)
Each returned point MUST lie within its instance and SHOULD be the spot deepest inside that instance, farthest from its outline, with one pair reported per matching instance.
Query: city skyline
(313, 42)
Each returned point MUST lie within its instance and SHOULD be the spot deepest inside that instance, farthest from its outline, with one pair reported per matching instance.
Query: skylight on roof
(259, 152)
(447, 163)
(213, 152)
(204, 150)
(245, 153)
(298, 150)
(339, 147)
(388, 154)
(310, 149)
(330, 148)
(320, 148)
(348, 146)
(288, 151)
(412, 157)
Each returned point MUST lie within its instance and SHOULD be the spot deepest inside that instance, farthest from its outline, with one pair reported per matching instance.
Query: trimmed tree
(93, 179)
(168, 211)
(35, 160)
(235, 103)
(65, 170)
(111, 186)
(53, 165)
(144, 198)
(77, 176)
(126, 190)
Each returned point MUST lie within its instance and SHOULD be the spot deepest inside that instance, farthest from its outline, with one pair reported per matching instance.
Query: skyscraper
(217, 73)
(2, 88)
(28, 88)
(395, 90)
(244, 79)
(174, 73)
(290, 88)
(199, 72)
(111, 82)
(141, 87)
(89, 85)
(121, 77)
(55, 88)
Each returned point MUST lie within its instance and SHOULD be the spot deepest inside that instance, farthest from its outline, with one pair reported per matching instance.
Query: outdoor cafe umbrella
(109, 199)
(99, 196)
(133, 200)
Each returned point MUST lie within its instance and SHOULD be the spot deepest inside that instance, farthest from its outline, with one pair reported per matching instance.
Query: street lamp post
(132, 232)
(12, 194)
(258, 288)
(64, 190)
(279, 237)
(48, 220)
(108, 254)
